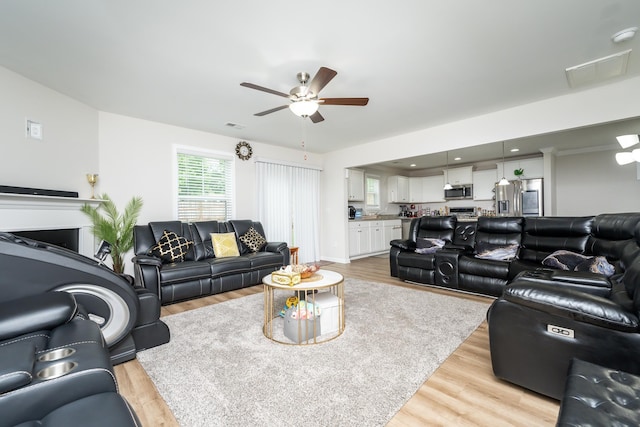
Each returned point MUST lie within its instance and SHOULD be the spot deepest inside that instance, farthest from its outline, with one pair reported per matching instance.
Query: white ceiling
(421, 62)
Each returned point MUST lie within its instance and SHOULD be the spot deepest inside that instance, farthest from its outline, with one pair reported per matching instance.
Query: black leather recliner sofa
(129, 317)
(457, 266)
(55, 367)
(201, 273)
(540, 324)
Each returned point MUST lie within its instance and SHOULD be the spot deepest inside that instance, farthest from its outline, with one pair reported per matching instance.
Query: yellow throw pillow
(224, 245)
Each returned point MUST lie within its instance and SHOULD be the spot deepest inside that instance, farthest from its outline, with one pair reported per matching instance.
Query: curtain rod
(286, 163)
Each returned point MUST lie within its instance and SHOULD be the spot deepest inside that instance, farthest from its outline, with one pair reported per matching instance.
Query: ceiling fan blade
(273, 110)
(344, 101)
(263, 89)
(316, 117)
(320, 80)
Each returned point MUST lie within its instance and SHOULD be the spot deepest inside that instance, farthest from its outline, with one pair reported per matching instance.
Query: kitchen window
(372, 184)
(205, 186)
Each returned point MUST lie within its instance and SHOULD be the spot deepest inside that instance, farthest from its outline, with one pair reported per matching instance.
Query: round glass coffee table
(324, 289)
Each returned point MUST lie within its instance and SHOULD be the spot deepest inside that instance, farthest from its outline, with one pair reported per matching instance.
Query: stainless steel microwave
(459, 192)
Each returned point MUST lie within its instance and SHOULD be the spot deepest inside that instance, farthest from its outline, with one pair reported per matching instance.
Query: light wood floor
(461, 392)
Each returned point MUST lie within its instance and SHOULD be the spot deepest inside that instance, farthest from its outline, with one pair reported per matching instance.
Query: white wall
(69, 149)
(136, 159)
(593, 183)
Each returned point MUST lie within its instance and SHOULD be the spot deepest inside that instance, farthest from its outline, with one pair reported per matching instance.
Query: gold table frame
(331, 281)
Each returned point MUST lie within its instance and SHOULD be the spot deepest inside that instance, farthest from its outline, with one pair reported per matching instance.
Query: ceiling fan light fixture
(627, 141)
(624, 158)
(303, 108)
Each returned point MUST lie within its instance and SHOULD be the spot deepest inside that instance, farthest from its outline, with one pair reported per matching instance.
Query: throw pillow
(564, 260)
(496, 252)
(597, 264)
(171, 247)
(428, 246)
(253, 240)
(224, 245)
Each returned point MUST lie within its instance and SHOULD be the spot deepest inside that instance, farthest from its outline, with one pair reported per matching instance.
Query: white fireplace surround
(25, 212)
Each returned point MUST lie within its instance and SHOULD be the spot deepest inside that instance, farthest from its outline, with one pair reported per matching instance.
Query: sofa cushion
(171, 247)
(227, 266)
(184, 272)
(224, 245)
(201, 231)
(264, 259)
(253, 240)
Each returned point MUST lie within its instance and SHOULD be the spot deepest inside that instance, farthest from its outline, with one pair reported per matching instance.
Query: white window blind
(205, 187)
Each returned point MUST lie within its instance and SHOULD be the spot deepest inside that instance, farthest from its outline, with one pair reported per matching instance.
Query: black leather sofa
(538, 326)
(55, 367)
(457, 266)
(543, 317)
(129, 317)
(201, 273)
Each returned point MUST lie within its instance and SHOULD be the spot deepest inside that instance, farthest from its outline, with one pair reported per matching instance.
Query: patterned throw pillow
(171, 247)
(224, 245)
(254, 240)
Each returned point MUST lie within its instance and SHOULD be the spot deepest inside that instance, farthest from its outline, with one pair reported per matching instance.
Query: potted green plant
(113, 227)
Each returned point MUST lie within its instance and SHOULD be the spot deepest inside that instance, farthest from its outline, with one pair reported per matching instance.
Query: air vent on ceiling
(598, 70)
(234, 125)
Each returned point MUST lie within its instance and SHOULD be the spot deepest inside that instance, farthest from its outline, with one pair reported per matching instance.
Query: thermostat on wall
(34, 129)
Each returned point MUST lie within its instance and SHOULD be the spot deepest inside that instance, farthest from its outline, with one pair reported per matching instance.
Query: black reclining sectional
(201, 273)
(543, 316)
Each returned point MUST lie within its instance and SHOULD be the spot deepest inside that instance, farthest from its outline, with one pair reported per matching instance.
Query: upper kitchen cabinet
(432, 188)
(398, 189)
(484, 183)
(355, 185)
(416, 190)
(531, 168)
(459, 176)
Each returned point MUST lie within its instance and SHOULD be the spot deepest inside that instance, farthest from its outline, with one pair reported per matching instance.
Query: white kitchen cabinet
(415, 190)
(484, 183)
(359, 240)
(533, 168)
(398, 187)
(376, 236)
(355, 185)
(459, 176)
(392, 231)
(432, 189)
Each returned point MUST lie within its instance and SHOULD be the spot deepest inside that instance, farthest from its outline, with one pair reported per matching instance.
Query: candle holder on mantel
(92, 178)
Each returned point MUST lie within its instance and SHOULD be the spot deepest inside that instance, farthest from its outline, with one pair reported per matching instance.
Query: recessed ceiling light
(514, 150)
(624, 35)
(413, 165)
(457, 158)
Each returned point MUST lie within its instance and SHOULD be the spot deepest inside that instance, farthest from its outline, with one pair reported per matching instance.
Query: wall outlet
(33, 129)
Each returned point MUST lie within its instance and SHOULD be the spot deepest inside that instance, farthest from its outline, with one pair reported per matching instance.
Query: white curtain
(289, 206)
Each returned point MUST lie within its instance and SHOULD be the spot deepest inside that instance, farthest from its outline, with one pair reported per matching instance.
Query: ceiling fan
(304, 98)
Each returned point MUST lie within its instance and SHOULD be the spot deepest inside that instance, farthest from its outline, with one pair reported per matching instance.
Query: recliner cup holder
(56, 370)
(57, 354)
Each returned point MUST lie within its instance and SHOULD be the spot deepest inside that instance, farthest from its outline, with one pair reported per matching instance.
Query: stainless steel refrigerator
(522, 197)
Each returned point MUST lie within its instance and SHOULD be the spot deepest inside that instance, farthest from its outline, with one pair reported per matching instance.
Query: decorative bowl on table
(305, 270)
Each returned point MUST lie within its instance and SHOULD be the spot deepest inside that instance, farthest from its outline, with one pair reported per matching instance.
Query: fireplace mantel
(26, 212)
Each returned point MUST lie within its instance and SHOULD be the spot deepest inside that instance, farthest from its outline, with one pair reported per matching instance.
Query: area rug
(220, 370)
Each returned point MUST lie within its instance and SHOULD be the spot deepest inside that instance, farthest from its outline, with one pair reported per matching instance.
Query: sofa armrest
(16, 365)
(275, 246)
(147, 260)
(405, 245)
(572, 304)
(37, 312)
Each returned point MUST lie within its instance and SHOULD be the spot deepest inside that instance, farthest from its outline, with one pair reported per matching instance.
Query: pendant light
(447, 186)
(503, 181)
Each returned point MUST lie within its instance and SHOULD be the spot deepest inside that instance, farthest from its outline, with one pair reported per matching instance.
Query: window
(205, 186)
(372, 184)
